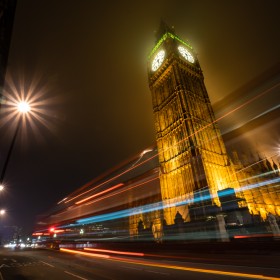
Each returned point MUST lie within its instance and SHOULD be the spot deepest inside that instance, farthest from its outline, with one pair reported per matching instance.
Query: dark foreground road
(52, 265)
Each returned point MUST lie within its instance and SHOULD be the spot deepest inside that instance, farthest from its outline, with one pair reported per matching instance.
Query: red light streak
(256, 235)
(100, 193)
(115, 252)
(66, 201)
(127, 189)
(84, 253)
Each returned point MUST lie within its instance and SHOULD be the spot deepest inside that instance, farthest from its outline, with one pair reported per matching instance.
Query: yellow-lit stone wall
(151, 220)
(261, 198)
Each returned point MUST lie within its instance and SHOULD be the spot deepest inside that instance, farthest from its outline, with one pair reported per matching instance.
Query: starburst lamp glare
(23, 107)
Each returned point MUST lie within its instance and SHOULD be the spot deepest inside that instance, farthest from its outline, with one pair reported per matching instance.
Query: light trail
(162, 205)
(127, 189)
(237, 126)
(100, 193)
(227, 114)
(84, 253)
(120, 214)
(176, 267)
(258, 176)
(115, 252)
(259, 235)
(102, 198)
(65, 200)
(199, 270)
(184, 139)
(109, 180)
(159, 205)
(119, 185)
(259, 184)
(266, 112)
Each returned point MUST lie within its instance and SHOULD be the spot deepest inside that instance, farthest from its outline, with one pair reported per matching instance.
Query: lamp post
(22, 108)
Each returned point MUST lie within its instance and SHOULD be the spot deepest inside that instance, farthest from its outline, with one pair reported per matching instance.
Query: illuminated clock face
(186, 54)
(158, 60)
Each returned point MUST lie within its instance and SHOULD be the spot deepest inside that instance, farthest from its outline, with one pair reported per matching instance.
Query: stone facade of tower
(193, 161)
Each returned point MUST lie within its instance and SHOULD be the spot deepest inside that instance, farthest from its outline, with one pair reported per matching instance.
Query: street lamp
(22, 108)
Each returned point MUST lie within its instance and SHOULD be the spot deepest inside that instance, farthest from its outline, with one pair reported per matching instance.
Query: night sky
(87, 63)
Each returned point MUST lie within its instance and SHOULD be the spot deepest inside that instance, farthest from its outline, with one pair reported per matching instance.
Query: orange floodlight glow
(84, 253)
(115, 252)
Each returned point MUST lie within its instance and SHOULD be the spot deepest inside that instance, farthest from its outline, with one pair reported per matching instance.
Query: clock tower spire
(164, 28)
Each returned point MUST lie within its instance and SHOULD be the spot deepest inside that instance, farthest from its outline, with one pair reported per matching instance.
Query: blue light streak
(165, 204)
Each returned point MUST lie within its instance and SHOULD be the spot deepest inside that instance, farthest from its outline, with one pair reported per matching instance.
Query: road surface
(57, 265)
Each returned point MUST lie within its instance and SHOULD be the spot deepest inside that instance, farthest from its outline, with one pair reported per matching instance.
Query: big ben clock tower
(193, 160)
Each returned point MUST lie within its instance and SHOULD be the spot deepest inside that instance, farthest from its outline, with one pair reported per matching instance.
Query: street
(49, 264)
